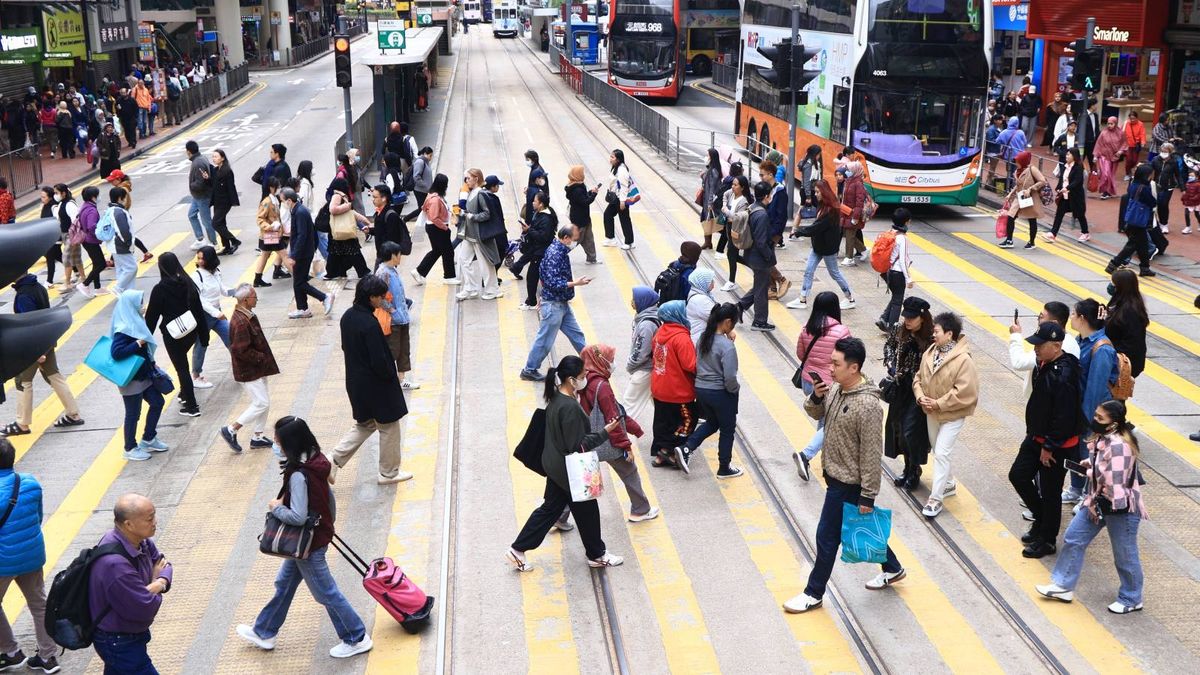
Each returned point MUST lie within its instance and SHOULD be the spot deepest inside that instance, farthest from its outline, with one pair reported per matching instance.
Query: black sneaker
(230, 438)
(260, 442)
(1147, 273)
(683, 456)
(1194, 437)
(1110, 268)
(1030, 245)
(10, 662)
(49, 665)
(280, 274)
(1031, 535)
(729, 472)
(762, 326)
(192, 410)
(532, 376)
(802, 465)
(1007, 243)
(1039, 549)
(259, 283)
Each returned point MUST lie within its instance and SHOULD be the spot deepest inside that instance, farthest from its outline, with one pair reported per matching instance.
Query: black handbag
(798, 376)
(529, 450)
(161, 381)
(611, 197)
(287, 541)
(888, 388)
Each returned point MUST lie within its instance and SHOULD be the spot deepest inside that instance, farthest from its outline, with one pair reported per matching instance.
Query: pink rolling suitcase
(391, 588)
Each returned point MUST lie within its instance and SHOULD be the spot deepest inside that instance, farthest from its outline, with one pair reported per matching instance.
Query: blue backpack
(106, 228)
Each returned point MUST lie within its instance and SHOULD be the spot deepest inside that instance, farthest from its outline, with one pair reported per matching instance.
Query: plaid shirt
(1114, 476)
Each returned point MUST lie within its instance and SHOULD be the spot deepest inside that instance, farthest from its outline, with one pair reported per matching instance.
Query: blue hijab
(643, 297)
(127, 319)
(674, 311)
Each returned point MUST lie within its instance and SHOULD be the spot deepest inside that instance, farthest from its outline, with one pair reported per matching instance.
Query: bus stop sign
(424, 16)
(391, 34)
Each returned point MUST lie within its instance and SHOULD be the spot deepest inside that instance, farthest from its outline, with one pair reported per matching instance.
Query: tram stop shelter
(394, 72)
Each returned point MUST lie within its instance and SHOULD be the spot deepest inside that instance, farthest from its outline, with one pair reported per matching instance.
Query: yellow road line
(962, 650)
(822, 645)
(1172, 440)
(549, 636)
(414, 523)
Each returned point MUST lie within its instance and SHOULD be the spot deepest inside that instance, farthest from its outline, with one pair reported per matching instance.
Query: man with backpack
(171, 105)
(398, 141)
(24, 556)
(759, 257)
(673, 283)
(421, 177)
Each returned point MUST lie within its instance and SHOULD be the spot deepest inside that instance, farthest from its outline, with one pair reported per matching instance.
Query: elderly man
(252, 363)
(125, 590)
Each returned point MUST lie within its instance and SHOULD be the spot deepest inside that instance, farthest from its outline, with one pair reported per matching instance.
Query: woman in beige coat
(947, 389)
(1027, 187)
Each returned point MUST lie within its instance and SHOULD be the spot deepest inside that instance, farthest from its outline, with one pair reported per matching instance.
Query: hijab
(128, 320)
(702, 279)
(599, 359)
(575, 175)
(644, 297)
(674, 311)
(1023, 158)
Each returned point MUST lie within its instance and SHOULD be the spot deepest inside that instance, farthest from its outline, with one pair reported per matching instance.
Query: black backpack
(669, 284)
(321, 224)
(406, 149)
(68, 615)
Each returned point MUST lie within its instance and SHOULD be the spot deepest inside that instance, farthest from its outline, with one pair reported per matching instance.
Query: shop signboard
(64, 33)
(146, 42)
(115, 27)
(20, 46)
(1012, 16)
(424, 16)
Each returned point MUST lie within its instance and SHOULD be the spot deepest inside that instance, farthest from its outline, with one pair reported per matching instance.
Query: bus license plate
(915, 199)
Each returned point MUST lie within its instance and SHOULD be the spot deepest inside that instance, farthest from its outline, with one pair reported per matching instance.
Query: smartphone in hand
(1016, 315)
(1075, 467)
(815, 376)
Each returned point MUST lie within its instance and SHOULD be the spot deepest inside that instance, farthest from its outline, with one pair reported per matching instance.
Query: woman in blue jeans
(716, 390)
(306, 494)
(212, 288)
(1113, 501)
(814, 348)
(826, 234)
(131, 338)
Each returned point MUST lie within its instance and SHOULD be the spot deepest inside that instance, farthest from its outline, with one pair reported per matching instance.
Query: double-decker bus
(645, 48)
(902, 82)
(710, 28)
(485, 10)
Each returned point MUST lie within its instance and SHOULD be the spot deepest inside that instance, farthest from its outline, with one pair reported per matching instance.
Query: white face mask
(1164, 154)
(529, 163)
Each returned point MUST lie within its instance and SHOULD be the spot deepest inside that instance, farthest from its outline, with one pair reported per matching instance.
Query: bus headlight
(973, 170)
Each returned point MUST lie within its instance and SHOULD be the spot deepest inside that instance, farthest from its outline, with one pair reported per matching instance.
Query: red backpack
(881, 251)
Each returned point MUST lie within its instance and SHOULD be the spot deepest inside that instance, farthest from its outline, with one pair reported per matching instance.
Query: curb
(713, 90)
(138, 152)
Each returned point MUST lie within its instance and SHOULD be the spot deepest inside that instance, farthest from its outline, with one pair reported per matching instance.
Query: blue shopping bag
(120, 372)
(865, 537)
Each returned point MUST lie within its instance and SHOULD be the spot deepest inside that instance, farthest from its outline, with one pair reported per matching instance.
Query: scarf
(599, 358)
(940, 353)
(674, 311)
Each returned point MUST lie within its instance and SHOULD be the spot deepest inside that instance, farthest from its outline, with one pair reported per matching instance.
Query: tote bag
(865, 536)
(343, 226)
(584, 476)
(120, 372)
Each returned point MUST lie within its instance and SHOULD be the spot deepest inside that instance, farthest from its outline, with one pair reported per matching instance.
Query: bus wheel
(701, 66)
(764, 138)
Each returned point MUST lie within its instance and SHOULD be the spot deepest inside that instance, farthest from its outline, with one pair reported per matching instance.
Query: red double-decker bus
(645, 48)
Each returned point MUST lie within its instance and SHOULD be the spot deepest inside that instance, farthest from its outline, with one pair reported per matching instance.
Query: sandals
(68, 421)
(14, 429)
(663, 461)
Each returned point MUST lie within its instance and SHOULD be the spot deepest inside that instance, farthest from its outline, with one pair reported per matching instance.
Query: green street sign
(424, 17)
(391, 34)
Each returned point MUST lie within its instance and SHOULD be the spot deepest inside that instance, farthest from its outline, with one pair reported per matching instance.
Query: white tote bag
(584, 476)
(181, 326)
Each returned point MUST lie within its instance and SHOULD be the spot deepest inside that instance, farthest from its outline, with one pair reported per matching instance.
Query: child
(1191, 201)
(843, 157)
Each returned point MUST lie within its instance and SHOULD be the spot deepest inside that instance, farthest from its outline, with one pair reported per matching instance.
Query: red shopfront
(1130, 31)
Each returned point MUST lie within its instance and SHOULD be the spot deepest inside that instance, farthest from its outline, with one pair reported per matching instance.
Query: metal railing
(299, 54)
(22, 169)
(197, 97)
(641, 118)
(365, 136)
(998, 174)
(724, 75)
(356, 27)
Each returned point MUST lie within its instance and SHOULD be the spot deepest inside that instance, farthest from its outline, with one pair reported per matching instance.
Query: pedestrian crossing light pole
(343, 78)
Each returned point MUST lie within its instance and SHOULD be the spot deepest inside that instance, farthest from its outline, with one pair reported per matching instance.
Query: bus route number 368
(643, 27)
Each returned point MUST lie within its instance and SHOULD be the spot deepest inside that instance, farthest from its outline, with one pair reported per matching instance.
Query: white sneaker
(327, 303)
(606, 560)
(950, 491)
(626, 247)
(300, 314)
(1027, 515)
(729, 287)
(1186, 230)
(247, 633)
(466, 295)
(884, 579)
(1055, 592)
(932, 509)
(85, 291)
(801, 604)
(1085, 237)
(398, 478)
(1070, 496)
(649, 515)
(524, 307)
(848, 262)
(452, 282)
(1165, 229)
(492, 296)
(201, 382)
(719, 256)
(343, 650)
(1119, 608)
(198, 244)
(409, 385)
(798, 303)
(417, 278)
(609, 242)
(847, 303)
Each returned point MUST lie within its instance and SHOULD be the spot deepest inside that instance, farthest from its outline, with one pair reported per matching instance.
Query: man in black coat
(376, 399)
(388, 225)
(760, 257)
(127, 111)
(302, 246)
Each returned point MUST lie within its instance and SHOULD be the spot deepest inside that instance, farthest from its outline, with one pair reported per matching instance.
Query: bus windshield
(642, 58)
(916, 127)
(928, 21)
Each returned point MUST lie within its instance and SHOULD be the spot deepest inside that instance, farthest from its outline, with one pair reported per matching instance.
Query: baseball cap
(492, 180)
(913, 306)
(116, 175)
(1047, 331)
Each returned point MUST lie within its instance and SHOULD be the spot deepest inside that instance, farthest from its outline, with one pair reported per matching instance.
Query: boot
(903, 477)
(280, 273)
(707, 242)
(259, 283)
(914, 479)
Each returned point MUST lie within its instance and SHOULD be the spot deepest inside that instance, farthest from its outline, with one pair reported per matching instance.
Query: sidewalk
(1182, 260)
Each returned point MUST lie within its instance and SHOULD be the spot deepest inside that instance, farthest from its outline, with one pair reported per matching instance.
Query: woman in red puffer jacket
(672, 382)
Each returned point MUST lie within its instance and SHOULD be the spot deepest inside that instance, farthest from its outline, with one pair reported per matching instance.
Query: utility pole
(89, 64)
(1079, 137)
(349, 114)
(791, 172)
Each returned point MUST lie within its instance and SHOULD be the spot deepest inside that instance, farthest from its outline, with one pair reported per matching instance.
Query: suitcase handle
(356, 562)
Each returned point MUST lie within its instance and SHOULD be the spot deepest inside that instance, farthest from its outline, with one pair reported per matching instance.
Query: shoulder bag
(287, 541)
(181, 326)
(121, 372)
(12, 500)
(605, 451)
(798, 376)
(343, 226)
(161, 381)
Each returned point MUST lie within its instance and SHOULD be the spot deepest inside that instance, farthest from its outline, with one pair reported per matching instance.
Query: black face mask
(1112, 290)
(1099, 427)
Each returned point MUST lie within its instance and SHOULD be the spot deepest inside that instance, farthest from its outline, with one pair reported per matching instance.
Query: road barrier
(365, 137)
(308, 51)
(724, 75)
(23, 170)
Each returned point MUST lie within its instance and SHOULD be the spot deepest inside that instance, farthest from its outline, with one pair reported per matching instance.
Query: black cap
(492, 180)
(913, 306)
(1047, 332)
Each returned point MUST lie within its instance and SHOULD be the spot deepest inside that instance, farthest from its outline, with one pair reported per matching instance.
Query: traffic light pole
(349, 114)
(792, 112)
(1087, 41)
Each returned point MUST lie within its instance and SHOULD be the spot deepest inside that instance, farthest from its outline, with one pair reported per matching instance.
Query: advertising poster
(64, 32)
(834, 61)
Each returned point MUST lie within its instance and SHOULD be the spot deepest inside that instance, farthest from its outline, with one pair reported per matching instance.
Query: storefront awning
(1123, 23)
(1183, 38)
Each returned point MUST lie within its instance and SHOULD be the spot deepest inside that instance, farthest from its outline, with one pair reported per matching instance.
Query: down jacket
(820, 359)
(673, 377)
(22, 548)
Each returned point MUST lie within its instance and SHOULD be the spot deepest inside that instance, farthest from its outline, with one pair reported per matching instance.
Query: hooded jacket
(645, 325)
(853, 435)
(580, 200)
(954, 385)
(1012, 140)
(673, 377)
(22, 548)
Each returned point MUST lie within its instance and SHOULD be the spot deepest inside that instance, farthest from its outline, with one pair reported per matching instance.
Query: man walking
(302, 246)
(127, 112)
(558, 289)
(376, 399)
(276, 167)
(1053, 421)
(125, 591)
(760, 257)
(852, 454)
(30, 297)
(422, 175)
(24, 556)
(200, 187)
(252, 363)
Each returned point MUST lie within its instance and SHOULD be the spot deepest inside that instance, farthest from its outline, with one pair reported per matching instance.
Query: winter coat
(1191, 195)
(1031, 105)
(641, 351)
(1012, 140)
(673, 377)
(599, 389)
(1029, 181)
(1128, 335)
(171, 298)
(825, 232)
(1053, 412)
(89, 217)
(568, 430)
(1168, 173)
(200, 177)
(389, 226)
(761, 254)
(250, 354)
(371, 380)
(953, 385)
(542, 229)
(820, 357)
(580, 201)
(22, 548)
(854, 195)
(1076, 189)
(710, 184)
(905, 431)
(853, 446)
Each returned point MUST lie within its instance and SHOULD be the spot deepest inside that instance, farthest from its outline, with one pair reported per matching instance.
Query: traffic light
(1087, 67)
(780, 56)
(800, 76)
(25, 337)
(341, 61)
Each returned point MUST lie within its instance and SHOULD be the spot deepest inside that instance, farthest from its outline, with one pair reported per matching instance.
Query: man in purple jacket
(125, 591)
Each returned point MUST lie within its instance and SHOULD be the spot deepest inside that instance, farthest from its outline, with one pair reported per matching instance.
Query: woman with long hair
(224, 198)
(905, 432)
(1113, 502)
(736, 202)
(436, 215)
(567, 432)
(710, 188)
(1072, 196)
(173, 296)
(814, 348)
(211, 288)
(1127, 319)
(305, 497)
(617, 198)
(344, 253)
(812, 168)
(717, 390)
(66, 211)
(826, 234)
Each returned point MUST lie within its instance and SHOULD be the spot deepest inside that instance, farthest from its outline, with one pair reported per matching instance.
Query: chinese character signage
(19, 46)
(115, 26)
(64, 33)
(146, 42)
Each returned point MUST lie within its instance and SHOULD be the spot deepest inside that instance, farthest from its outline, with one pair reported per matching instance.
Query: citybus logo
(916, 180)
(1113, 34)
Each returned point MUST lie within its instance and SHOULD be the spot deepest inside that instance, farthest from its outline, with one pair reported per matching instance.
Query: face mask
(1099, 428)
(579, 384)
(1164, 155)
(571, 246)
(1112, 290)
(529, 163)
(276, 449)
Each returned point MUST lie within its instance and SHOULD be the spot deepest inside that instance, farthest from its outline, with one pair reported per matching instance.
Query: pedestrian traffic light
(780, 56)
(801, 77)
(1087, 66)
(341, 61)
(25, 337)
